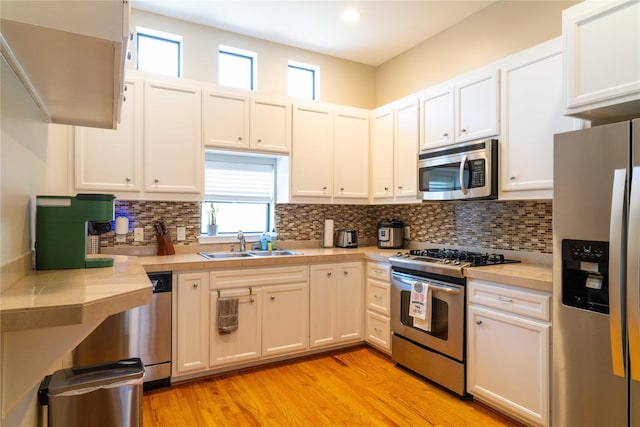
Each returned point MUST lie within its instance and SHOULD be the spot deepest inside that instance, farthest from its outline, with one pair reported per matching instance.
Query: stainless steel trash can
(105, 395)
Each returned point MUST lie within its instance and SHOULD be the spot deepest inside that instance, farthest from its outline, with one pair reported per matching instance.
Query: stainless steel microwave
(468, 170)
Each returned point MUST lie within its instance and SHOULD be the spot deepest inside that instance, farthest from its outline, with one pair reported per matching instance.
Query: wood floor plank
(359, 386)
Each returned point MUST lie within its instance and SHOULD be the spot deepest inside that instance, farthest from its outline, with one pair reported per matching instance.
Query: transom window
(159, 52)
(237, 67)
(303, 80)
(242, 190)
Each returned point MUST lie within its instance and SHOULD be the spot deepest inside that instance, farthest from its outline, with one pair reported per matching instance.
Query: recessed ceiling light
(350, 15)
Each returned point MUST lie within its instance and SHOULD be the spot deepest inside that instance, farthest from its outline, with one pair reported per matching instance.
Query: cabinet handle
(195, 285)
(478, 322)
(377, 297)
(376, 330)
(505, 299)
(273, 298)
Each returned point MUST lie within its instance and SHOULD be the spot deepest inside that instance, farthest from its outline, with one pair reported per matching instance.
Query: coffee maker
(61, 229)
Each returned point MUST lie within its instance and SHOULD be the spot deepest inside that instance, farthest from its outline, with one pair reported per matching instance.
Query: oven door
(447, 314)
(463, 171)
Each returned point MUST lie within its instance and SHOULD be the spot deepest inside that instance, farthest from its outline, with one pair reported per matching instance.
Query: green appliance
(61, 229)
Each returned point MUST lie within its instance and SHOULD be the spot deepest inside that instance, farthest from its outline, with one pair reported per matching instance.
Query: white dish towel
(420, 305)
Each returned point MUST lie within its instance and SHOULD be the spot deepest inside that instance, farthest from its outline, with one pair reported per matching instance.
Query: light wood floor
(359, 386)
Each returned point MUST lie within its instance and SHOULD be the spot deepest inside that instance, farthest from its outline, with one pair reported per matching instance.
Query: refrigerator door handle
(616, 251)
(633, 275)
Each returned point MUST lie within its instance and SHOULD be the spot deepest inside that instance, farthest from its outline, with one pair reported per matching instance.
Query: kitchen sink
(226, 255)
(222, 255)
(274, 253)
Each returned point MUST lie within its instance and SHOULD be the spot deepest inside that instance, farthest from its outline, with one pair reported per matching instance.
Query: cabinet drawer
(379, 271)
(378, 330)
(221, 279)
(378, 296)
(533, 304)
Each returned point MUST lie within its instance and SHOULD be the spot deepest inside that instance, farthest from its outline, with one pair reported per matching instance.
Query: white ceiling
(386, 27)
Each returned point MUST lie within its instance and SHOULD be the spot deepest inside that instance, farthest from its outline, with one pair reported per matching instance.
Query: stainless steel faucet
(243, 243)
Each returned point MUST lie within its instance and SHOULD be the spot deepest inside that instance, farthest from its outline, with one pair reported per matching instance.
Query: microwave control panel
(478, 175)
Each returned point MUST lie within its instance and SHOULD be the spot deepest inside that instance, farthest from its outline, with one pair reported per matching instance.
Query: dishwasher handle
(161, 281)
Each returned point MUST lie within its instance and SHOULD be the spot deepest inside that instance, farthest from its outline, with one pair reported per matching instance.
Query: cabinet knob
(126, 88)
(478, 322)
(399, 187)
(324, 188)
(127, 179)
(446, 135)
(512, 178)
(259, 140)
(239, 138)
(129, 56)
(341, 188)
(156, 181)
(329, 274)
(463, 130)
(130, 36)
(195, 285)
(386, 188)
(273, 298)
(124, 99)
(346, 273)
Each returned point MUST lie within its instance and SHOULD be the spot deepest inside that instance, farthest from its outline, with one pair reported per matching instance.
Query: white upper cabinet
(111, 160)
(476, 106)
(394, 151)
(270, 126)
(382, 153)
(406, 131)
(436, 117)
(531, 115)
(351, 153)
(225, 120)
(602, 63)
(243, 123)
(312, 157)
(463, 109)
(173, 160)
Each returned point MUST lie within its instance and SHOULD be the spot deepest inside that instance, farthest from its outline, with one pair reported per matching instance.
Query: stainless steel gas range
(428, 312)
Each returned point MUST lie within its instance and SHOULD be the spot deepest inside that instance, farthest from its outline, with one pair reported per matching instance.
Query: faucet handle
(240, 235)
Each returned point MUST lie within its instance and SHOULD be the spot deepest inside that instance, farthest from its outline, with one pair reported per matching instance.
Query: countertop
(47, 298)
(525, 275)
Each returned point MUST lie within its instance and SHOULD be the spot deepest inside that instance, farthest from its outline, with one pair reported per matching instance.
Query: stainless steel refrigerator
(596, 323)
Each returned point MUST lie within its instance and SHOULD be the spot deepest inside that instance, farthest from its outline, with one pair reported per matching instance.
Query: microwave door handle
(615, 272)
(633, 275)
(462, 165)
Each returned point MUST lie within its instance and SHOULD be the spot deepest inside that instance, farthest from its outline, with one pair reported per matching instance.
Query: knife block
(165, 245)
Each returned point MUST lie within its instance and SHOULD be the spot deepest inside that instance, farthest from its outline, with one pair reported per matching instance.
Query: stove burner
(457, 257)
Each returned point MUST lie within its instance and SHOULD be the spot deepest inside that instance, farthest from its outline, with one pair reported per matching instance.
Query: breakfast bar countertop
(48, 298)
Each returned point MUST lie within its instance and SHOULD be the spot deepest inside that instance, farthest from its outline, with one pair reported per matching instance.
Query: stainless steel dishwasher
(143, 332)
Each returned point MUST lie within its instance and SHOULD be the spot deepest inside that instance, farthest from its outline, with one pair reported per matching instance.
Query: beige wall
(497, 31)
(341, 82)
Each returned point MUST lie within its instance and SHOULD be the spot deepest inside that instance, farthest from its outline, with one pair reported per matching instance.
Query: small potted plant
(213, 227)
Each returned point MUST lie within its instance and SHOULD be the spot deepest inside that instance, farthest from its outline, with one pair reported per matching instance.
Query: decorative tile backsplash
(501, 225)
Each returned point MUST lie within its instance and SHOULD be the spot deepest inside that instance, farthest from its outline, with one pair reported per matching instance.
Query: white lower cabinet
(285, 319)
(335, 310)
(241, 345)
(508, 350)
(378, 306)
(191, 348)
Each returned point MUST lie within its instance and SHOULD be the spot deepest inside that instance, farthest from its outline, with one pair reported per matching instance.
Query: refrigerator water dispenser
(585, 268)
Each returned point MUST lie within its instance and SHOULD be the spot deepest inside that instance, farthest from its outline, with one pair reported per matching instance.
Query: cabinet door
(111, 160)
(285, 319)
(378, 331)
(477, 107)
(406, 149)
(531, 115)
(323, 305)
(244, 343)
(172, 139)
(349, 301)
(192, 318)
(351, 154)
(270, 126)
(508, 363)
(436, 117)
(602, 67)
(312, 156)
(225, 120)
(382, 153)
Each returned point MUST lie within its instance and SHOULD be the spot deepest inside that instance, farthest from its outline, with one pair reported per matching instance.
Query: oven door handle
(463, 163)
(435, 287)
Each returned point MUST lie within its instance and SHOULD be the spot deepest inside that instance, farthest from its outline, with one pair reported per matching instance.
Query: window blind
(231, 179)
